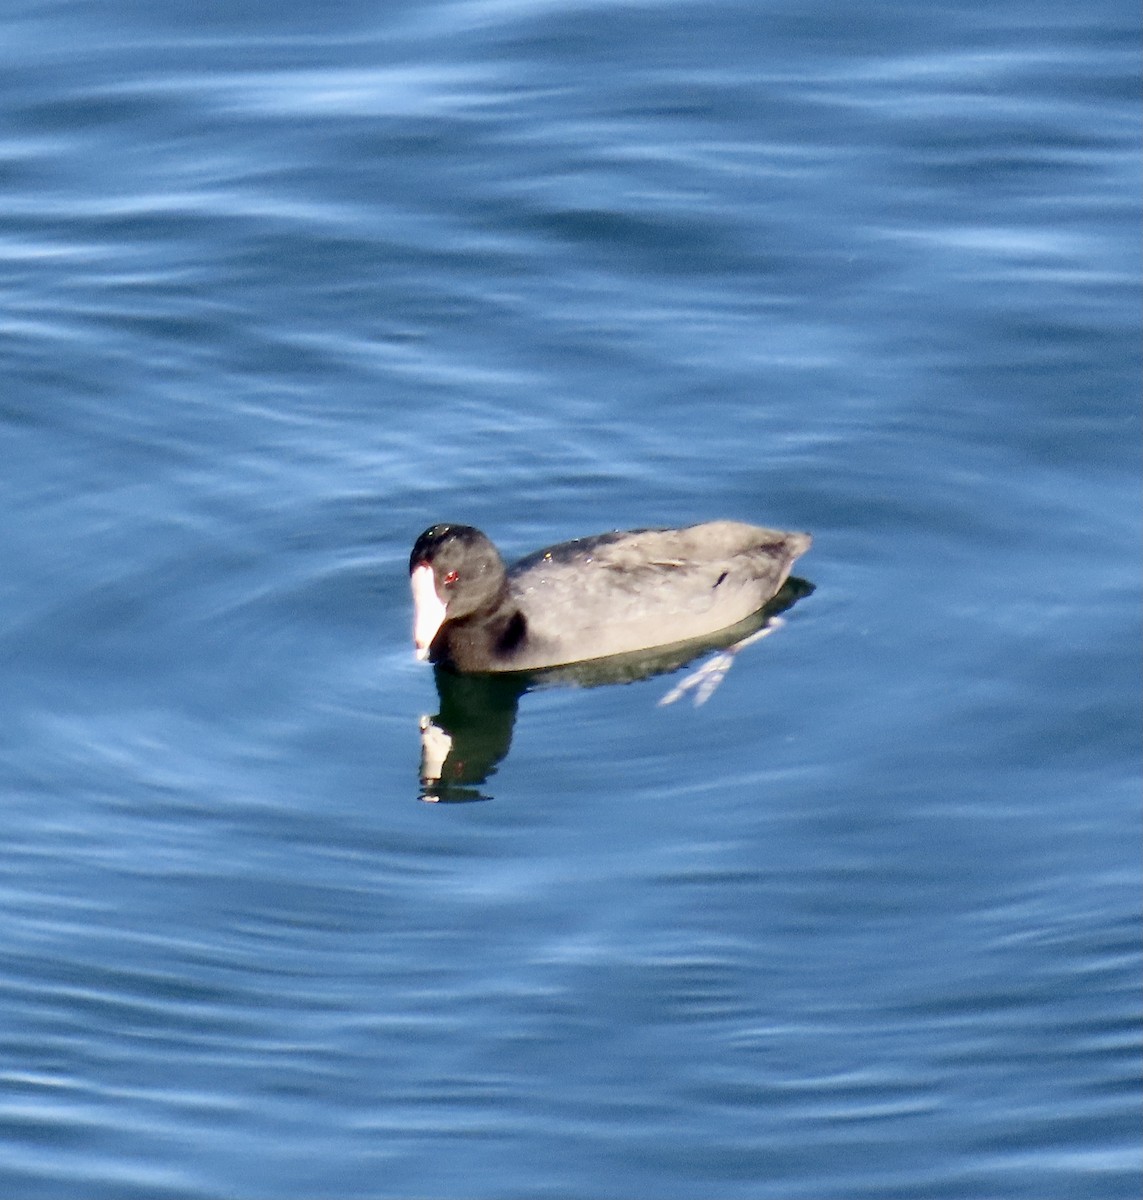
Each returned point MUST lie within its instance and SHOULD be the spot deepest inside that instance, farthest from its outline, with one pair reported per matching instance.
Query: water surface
(280, 286)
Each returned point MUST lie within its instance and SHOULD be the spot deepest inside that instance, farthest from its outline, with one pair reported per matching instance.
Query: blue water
(281, 285)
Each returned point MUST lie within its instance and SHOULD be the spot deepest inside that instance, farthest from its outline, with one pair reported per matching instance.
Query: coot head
(454, 571)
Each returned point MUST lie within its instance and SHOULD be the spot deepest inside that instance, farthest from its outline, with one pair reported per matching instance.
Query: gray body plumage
(619, 592)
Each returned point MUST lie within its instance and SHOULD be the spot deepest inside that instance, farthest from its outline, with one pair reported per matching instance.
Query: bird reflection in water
(471, 734)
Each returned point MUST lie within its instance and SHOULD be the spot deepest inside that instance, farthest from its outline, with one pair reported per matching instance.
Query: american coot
(594, 597)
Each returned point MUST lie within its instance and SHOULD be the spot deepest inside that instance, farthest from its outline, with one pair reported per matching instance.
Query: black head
(467, 576)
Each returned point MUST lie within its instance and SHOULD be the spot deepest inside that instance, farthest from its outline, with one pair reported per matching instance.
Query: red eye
(450, 579)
